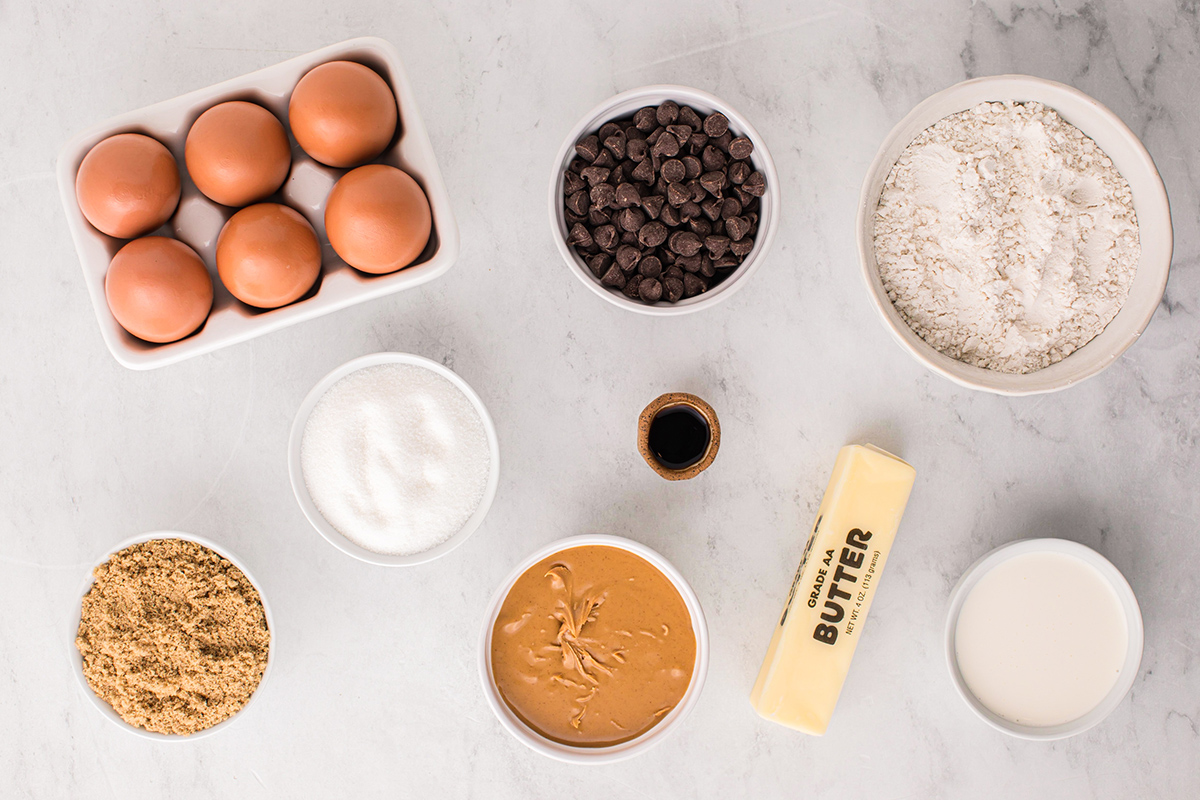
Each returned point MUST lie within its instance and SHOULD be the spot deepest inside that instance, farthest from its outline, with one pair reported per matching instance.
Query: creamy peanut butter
(593, 646)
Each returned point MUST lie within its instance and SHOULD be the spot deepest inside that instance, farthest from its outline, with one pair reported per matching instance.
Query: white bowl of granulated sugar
(394, 459)
(1001, 247)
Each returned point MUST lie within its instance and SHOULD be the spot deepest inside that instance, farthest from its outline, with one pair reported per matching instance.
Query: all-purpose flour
(1005, 237)
(396, 458)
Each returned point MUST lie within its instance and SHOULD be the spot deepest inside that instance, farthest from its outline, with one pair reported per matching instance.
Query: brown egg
(158, 289)
(237, 153)
(268, 255)
(342, 113)
(127, 185)
(377, 219)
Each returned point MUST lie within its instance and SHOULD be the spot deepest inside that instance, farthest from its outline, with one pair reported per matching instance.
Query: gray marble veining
(376, 690)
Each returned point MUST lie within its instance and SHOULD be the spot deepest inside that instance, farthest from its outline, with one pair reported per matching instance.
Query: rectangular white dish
(198, 220)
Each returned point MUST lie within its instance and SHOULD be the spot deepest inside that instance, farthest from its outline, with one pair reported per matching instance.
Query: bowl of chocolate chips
(664, 200)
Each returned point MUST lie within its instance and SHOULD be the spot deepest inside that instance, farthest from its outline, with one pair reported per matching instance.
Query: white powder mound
(1005, 237)
(396, 458)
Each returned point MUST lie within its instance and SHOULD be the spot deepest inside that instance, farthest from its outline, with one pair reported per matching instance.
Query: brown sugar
(173, 636)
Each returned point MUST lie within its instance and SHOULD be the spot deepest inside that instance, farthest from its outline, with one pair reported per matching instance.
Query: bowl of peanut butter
(593, 650)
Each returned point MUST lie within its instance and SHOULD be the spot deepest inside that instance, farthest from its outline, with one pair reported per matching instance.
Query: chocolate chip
(722, 142)
(637, 149)
(673, 271)
(688, 116)
(716, 124)
(579, 236)
(644, 171)
(650, 290)
(685, 243)
(716, 245)
(708, 267)
(699, 195)
(742, 248)
(666, 255)
(653, 204)
(726, 261)
(603, 195)
(598, 264)
(678, 194)
(713, 182)
(631, 286)
(745, 197)
(598, 216)
(712, 159)
(579, 203)
(572, 183)
(711, 208)
(741, 148)
(652, 234)
(595, 175)
(673, 170)
(650, 267)
(607, 130)
(606, 237)
(631, 219)
(644, 119)
(755, 184)
(668, 112)
(730, 207)
(572, 218)
(737, 227)
(673, 289)
(629, 239)
(670, 214)
(615, 144)
(681, 132)
(588, 148)
(631, 133)
(700, 226)
(666, 146)
(689, 211)
(627, 257)
(627, 195)
(605, 159)
(738, 172)
(689, 263)
(614, 277)
(697, 143)
(692, 285)
(577, 165)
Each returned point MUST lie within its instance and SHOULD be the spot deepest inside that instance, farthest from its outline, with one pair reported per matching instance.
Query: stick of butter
(810, 653)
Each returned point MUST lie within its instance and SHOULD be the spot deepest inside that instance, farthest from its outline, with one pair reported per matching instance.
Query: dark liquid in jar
(678, 437)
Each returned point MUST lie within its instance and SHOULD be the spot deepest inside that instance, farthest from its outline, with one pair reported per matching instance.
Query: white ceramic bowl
(594, 755)
(704, 103)
(1133, 625)
(77, 660)
(198, 220)
(1149, 201)
(331, 534)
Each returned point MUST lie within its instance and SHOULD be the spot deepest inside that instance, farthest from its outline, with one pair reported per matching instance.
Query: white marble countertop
(375, 690)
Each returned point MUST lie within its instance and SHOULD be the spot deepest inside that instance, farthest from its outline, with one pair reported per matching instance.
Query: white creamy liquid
(1041, 639)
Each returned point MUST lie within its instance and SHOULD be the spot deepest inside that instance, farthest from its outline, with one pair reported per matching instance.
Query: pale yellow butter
(810, 652)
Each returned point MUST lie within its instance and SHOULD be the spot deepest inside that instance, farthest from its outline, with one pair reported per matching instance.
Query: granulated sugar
(1005, 237)
(396, 458)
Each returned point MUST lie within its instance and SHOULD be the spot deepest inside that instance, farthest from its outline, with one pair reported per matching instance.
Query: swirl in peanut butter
(593, 646)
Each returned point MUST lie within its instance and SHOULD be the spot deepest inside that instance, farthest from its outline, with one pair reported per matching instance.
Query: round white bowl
(622, 105)
(1133, 625)
(1149, 202)
(77, 660)
(594, 755)
(331, 534)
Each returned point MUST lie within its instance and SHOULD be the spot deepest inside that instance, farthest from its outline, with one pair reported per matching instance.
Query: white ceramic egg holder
(198, 220)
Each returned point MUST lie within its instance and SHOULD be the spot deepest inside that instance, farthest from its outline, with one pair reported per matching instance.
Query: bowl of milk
(1043, 638)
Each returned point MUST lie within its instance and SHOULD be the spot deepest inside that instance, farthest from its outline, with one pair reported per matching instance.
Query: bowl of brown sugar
(594, 649)
(172, 637)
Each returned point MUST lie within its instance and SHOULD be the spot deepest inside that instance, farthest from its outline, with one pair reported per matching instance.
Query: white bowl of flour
(394, 459)
(1003, 250)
